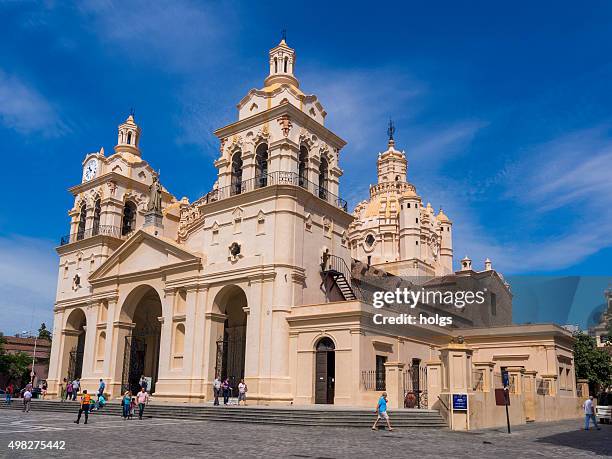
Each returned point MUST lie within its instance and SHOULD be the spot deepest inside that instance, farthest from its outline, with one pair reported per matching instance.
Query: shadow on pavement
(595, 441)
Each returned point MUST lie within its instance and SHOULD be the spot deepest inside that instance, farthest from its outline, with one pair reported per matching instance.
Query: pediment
(143, 252)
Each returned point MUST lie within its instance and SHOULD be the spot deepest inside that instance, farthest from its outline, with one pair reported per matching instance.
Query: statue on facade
(155, 196)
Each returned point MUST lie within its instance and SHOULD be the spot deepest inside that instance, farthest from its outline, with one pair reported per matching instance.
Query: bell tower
(128, 136)
(282, 65)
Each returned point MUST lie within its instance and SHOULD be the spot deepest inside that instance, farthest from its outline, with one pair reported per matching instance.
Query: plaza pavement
(111, 436)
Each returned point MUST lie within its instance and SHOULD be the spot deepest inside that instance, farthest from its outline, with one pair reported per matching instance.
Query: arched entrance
(231, 342)
(74, 344)
(141, 348)
(325, 371)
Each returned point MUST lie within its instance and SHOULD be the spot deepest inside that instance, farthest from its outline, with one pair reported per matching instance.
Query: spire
(282, 64)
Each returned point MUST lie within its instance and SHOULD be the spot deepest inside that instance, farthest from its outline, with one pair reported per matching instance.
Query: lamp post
(33, 355)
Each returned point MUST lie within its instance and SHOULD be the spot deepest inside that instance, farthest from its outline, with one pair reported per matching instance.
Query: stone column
(394, 382)
(434, 382)
(456, 361)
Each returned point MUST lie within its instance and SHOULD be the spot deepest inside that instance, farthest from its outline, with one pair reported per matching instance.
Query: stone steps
(336, 417)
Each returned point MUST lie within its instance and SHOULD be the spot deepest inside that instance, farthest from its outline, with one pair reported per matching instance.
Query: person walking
(381, 412)
(27, 400)
(84, 407)
(132, 408)
(589, 413)
(9, 394)
(216, 389)
(143, 382)
(76, 385)
(142, 398)
(69, 390)
(101, 387)
(44, 389)
(242, 390)
(225, 387)
(125, 404)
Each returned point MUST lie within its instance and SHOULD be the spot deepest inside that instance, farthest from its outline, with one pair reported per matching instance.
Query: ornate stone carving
(285, 123)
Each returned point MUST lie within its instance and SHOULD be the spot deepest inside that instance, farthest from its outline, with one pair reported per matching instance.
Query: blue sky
(502, 109)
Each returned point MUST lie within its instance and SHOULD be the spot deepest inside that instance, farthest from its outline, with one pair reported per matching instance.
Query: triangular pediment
(143, 252)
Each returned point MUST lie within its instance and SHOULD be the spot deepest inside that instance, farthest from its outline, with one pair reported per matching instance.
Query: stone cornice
(275, 112)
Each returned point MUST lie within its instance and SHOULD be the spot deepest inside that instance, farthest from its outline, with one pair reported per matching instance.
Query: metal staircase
(336, 268)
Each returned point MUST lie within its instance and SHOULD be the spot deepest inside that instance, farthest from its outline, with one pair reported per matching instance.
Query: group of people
(129, 403)
(224, 388)
(69, 389)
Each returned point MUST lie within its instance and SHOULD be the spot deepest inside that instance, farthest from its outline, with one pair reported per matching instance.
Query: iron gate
(415, 387)
(135, 352)
(75, 364)
(230, 356)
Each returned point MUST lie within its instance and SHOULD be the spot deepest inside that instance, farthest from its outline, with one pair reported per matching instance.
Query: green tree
(592, 363)
(43, 333)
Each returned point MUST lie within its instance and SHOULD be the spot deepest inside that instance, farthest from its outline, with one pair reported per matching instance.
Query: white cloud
(178, 35)
(28, 279)
(26, 111)
(569, 177)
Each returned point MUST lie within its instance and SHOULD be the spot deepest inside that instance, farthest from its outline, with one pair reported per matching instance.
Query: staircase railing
(337, 264)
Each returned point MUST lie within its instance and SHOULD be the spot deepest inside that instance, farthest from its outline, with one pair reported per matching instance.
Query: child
(132, 407)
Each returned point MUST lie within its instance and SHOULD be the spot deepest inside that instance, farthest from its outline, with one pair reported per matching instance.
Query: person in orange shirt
(84, 407)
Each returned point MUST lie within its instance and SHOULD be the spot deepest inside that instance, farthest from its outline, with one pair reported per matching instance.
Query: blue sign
(460, 402)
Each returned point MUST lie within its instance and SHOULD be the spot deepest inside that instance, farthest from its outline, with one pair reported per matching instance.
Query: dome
(442, 217)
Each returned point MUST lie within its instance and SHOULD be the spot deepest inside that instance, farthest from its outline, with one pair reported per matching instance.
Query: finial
(132, 111)
(390, 132)
(284, 34)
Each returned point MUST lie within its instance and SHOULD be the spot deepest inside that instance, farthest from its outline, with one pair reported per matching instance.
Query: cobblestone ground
(110, 436)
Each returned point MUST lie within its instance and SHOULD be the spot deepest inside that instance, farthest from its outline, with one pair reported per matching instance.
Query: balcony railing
(103, 230)
(273, 178)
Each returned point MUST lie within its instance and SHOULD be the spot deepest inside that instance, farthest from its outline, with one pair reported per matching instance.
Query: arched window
(286, 61)
(275, 65)
(302, 167)
(261, 159)
(129, 138)
(236, 186)
(96, 220)
(128, 223)
(323, 172)
(82, 222)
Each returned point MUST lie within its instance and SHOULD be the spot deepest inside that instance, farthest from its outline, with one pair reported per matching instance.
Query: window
(261, 174)
(96, 220)
(369, 240)
(129, 138)
(236, 186)
(302, 167)
(275, 65)
(128, 223)
(82, 222)
(323, 171)
(286, 62)
(493, 304)
(380, 372)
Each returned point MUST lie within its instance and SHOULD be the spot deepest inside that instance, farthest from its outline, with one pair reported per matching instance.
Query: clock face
(90, 169)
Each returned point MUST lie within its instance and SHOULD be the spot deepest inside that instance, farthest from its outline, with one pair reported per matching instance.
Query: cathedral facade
(254, 280)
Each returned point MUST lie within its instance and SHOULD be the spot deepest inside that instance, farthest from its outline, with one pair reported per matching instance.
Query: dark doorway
(325, 371)
(141, 348)
(231, 350)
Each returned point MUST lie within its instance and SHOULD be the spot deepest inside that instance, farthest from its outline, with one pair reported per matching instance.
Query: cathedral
(263, 277)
